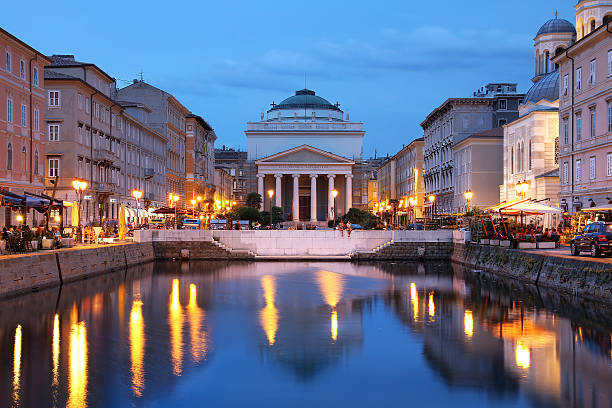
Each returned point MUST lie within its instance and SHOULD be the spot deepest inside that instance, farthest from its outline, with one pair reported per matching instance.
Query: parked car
(596, 238)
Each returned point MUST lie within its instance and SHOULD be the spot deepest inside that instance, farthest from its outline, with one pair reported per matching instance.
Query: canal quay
(181, 318)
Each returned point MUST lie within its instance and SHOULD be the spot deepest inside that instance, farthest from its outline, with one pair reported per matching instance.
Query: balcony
(105, 187)
(104, 155)
(326, 126)
(149, 172)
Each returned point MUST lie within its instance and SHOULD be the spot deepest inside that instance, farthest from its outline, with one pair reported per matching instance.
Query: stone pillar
(260, 186)
(331, 211)
(349, 192)
(278, 192)
(313, 197)
(296, 197)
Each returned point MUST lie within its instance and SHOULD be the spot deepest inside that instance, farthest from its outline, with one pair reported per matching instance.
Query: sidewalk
(564, 252)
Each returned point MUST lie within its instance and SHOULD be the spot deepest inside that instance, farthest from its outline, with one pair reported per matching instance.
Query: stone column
(331, 211)
(260, 186)
(313, 197)
(278, 192)
(349, 192)
(296, 197)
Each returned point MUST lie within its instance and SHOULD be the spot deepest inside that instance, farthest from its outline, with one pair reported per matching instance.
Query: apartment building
(199, 158)
(22, 122)
(234, 161)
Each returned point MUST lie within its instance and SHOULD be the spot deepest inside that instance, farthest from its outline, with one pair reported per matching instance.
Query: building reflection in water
(195, 315)
(77, 355)
(137, 346)
(17, 366)
(55, 350)
(176, 329)
(268, 316)
(331, 285)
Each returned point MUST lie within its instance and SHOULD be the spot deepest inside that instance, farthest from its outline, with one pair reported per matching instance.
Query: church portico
(303, 180)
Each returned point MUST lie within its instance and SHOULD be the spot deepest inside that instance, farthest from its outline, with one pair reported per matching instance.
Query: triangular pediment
(305, 154)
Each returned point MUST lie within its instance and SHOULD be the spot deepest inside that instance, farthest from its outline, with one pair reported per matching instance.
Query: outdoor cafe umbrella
(122, 229)
(75, 216)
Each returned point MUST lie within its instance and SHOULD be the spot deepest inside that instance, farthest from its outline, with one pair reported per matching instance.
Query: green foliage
(364, 218)
(277, 216)
(254, 200)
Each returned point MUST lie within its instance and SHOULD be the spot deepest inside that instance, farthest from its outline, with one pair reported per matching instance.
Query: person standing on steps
(341, 228)
(349, 228)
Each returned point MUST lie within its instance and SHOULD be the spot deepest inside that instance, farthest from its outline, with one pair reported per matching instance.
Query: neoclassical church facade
(304, 149)
(531, 143)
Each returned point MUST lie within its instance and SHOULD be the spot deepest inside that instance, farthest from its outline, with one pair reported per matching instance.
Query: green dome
(304, 99)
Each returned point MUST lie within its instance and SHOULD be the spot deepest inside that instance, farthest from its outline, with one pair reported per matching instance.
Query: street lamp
(468, 196)
(521, 188)
(174, 198)
(270, 194)
(432, 199)
(79, 186)
(193, 204)
(334, 194)
(137, 194)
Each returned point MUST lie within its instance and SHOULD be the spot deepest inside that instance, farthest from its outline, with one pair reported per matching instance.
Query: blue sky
(388, 63)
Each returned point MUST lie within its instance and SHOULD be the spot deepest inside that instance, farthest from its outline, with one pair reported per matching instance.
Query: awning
(530, 209)
(602, 208)
(499, 206)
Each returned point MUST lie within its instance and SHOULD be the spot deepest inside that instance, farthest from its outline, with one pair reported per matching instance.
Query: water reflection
(268, 316)
(460, 338)
(176, 329)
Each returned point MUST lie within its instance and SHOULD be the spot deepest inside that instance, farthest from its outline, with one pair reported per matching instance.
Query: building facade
(236, 165)
(168, 117)
(457, 118)
(305, 150)
(224, 188)
(199, 158)
(585, 110)
(80, 141)
(476, 171)
(22, 122)
(531, 143)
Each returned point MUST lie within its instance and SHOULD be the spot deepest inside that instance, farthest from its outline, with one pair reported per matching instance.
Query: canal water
(303, 335)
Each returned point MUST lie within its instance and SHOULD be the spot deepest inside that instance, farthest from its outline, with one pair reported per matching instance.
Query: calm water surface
(303, 335)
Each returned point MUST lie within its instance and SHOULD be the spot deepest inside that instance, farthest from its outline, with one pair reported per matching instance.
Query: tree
(364, 218)
(277, 216)
(246, 213)
(253, 200)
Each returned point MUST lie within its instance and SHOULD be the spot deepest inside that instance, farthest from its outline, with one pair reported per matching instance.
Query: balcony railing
(305, 126)
(104, 155)
(149, 172)
(105, 187)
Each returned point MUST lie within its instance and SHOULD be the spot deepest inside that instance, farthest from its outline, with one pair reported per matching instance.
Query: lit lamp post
(334, 194)
(270, 194)
(521, 189)
(193, 205)
(174, 198)
(413, 201)
(137, 194)
(432, 200)
(468, 196)
(79, 186)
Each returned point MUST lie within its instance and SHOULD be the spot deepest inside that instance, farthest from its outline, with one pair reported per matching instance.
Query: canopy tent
(502, 205)
(131, 213)
(602, 208)
(527, 208)
(168, 210)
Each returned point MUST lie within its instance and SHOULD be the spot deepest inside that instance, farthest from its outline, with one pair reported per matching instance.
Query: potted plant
(48, 240)
(527, 243)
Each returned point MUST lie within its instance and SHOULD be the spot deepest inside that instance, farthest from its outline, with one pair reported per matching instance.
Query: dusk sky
(388, 63)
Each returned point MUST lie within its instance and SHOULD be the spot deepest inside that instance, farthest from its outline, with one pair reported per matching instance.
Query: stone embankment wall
(411, 245)
(579, 276)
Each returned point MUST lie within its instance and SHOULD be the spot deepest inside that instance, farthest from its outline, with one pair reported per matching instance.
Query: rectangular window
(610, 63)
(8, 62)
(565, 132)
(36, 120)
(54, 99)
(565, 172)
(578, 170)
(609, 164)
(54, 133)
(80, 101)
(9, 110)
(610, 117)
(35, 76)
(80, 134)
(578, 127)
(53, 167)
(565, 84)
(87, 105)
(592, 172)
(593, 72)
(578, 78)
(24, 115)
(501, 122)
(503, 104)
(22, 69)
(593, 122)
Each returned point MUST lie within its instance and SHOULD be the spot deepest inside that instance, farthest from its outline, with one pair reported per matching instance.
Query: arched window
(23, 159)
(557, 150)
(607, 19)
(530, 153)
(592, 25)
(512, 160)
(547, 63)
(36, 162)
(9, 157)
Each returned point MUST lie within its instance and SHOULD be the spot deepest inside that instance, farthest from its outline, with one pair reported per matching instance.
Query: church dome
(546, 88)
(304, 99)
(556, 25)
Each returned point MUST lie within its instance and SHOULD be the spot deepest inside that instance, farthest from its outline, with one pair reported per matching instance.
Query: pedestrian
(238, 225)
(341, 228)
(349, 228)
